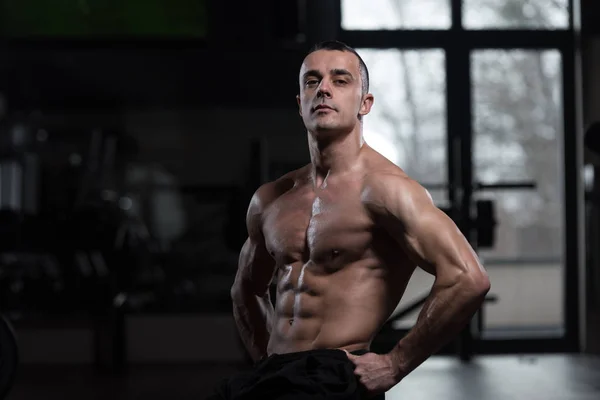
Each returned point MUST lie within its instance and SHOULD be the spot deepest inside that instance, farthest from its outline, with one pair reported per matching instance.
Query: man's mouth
(322, 107)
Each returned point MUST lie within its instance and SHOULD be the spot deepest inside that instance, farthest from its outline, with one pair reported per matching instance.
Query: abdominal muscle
(341, 310)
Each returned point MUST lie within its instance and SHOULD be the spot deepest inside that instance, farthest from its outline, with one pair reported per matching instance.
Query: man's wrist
(399, 364)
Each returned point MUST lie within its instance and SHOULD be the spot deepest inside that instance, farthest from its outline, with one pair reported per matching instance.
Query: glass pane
(516, 14)
(395, 14)
(517, 137)
(407, 123)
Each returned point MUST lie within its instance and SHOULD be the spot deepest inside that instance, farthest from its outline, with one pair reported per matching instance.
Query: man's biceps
(429, 223)
(442, 238)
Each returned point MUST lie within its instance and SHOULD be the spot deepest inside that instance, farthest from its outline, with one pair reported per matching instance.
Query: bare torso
(339, 275)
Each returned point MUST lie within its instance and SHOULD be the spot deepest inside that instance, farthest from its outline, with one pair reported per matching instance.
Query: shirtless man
(342, 237)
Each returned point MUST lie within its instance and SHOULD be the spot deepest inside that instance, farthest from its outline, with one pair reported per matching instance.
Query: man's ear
(299, 104)
(367, 103)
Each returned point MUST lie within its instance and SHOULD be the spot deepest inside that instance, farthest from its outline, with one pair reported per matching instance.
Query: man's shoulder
(380, 172)
(382, 180)
(390, 188)
(270, 191)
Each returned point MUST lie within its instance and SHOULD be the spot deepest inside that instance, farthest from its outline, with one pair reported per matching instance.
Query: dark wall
(249, 59)
(194, 109)
(65, 75)
(191, 103)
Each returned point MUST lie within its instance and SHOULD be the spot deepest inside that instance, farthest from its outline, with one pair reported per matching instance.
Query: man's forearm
(443, 316)
(253, 316)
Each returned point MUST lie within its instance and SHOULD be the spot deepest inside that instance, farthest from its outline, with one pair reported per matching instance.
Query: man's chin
(326, 126)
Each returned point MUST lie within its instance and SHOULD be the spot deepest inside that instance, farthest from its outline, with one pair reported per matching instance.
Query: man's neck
(333, 156)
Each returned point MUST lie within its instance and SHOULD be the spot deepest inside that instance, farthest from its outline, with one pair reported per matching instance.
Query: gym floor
(548, 377)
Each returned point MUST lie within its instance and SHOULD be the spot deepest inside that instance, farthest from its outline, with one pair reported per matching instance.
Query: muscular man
(342, 237)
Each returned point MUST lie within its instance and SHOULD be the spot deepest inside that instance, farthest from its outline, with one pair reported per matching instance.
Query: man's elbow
(234, 292)
(478, 283)
(237, 291)
(483, 285)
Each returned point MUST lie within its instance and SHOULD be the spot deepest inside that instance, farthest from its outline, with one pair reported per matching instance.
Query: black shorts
(314, 374)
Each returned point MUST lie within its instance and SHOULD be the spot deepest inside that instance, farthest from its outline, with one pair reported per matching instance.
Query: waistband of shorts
(279, 359)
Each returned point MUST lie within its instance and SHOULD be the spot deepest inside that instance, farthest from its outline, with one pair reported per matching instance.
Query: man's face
(331, 97)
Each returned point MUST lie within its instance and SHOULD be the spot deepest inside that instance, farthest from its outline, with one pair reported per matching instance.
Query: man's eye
(340, 82)
(311, 82)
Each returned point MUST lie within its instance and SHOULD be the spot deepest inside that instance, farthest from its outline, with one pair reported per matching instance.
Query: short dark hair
(339, 46)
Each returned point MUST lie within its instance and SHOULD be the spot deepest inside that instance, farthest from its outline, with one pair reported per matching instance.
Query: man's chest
(305, 225)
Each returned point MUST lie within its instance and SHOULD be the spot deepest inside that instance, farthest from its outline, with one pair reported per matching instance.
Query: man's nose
(324, 89)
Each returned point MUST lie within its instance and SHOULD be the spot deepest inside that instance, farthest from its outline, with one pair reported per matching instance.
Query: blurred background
(133, 134)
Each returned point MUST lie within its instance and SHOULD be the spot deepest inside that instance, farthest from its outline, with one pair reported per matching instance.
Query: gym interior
(134, 135)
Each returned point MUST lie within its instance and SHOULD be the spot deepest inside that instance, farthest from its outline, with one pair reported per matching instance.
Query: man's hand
(376, 372)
